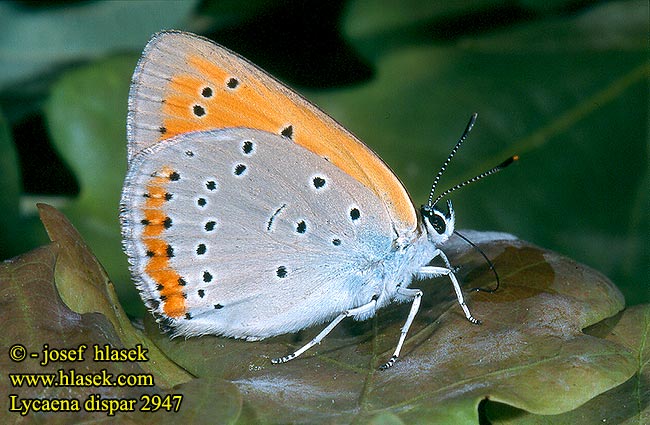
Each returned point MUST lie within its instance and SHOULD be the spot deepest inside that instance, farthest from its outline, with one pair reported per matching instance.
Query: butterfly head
(438, 224)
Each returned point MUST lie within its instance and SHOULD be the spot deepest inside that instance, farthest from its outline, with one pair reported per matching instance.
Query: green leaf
(628, 403)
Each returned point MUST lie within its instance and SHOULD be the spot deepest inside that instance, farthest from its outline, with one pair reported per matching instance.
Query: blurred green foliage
(565, 85)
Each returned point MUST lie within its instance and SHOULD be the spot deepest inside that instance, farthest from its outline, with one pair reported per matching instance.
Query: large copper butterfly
(247, 212)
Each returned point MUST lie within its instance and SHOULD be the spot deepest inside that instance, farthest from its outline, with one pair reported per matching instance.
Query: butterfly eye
(438, 223)
(435, 218)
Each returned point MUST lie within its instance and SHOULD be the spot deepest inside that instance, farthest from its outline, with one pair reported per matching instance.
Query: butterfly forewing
(186, 83)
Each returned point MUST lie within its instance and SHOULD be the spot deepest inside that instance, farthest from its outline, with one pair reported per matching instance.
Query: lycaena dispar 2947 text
(247, 212)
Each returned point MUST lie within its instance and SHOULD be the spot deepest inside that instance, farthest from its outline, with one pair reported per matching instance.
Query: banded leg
(433, 271)
(416, 294)
(318, 338)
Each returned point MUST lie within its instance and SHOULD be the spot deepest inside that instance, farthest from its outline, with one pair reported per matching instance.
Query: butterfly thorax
(413, 250)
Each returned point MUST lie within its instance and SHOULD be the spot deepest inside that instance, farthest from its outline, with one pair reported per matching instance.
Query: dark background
(564, 85)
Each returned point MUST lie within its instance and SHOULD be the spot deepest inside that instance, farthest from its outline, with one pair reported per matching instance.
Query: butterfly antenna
(470, 124)
(496, 275)
(496, 169)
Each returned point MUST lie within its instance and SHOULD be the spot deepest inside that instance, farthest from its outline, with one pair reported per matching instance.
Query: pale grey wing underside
(268, 237)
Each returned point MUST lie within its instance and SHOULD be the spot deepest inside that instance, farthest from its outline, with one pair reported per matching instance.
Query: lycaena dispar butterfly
(247, 212)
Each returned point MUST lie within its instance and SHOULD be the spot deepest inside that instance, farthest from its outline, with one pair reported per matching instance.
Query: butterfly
(247, 212)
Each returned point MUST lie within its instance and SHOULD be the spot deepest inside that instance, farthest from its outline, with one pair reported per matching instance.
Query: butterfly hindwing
(257, 226)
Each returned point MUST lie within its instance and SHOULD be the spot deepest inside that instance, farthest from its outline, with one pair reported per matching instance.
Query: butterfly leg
(347, 313)
(432, 271)
(416, 295)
